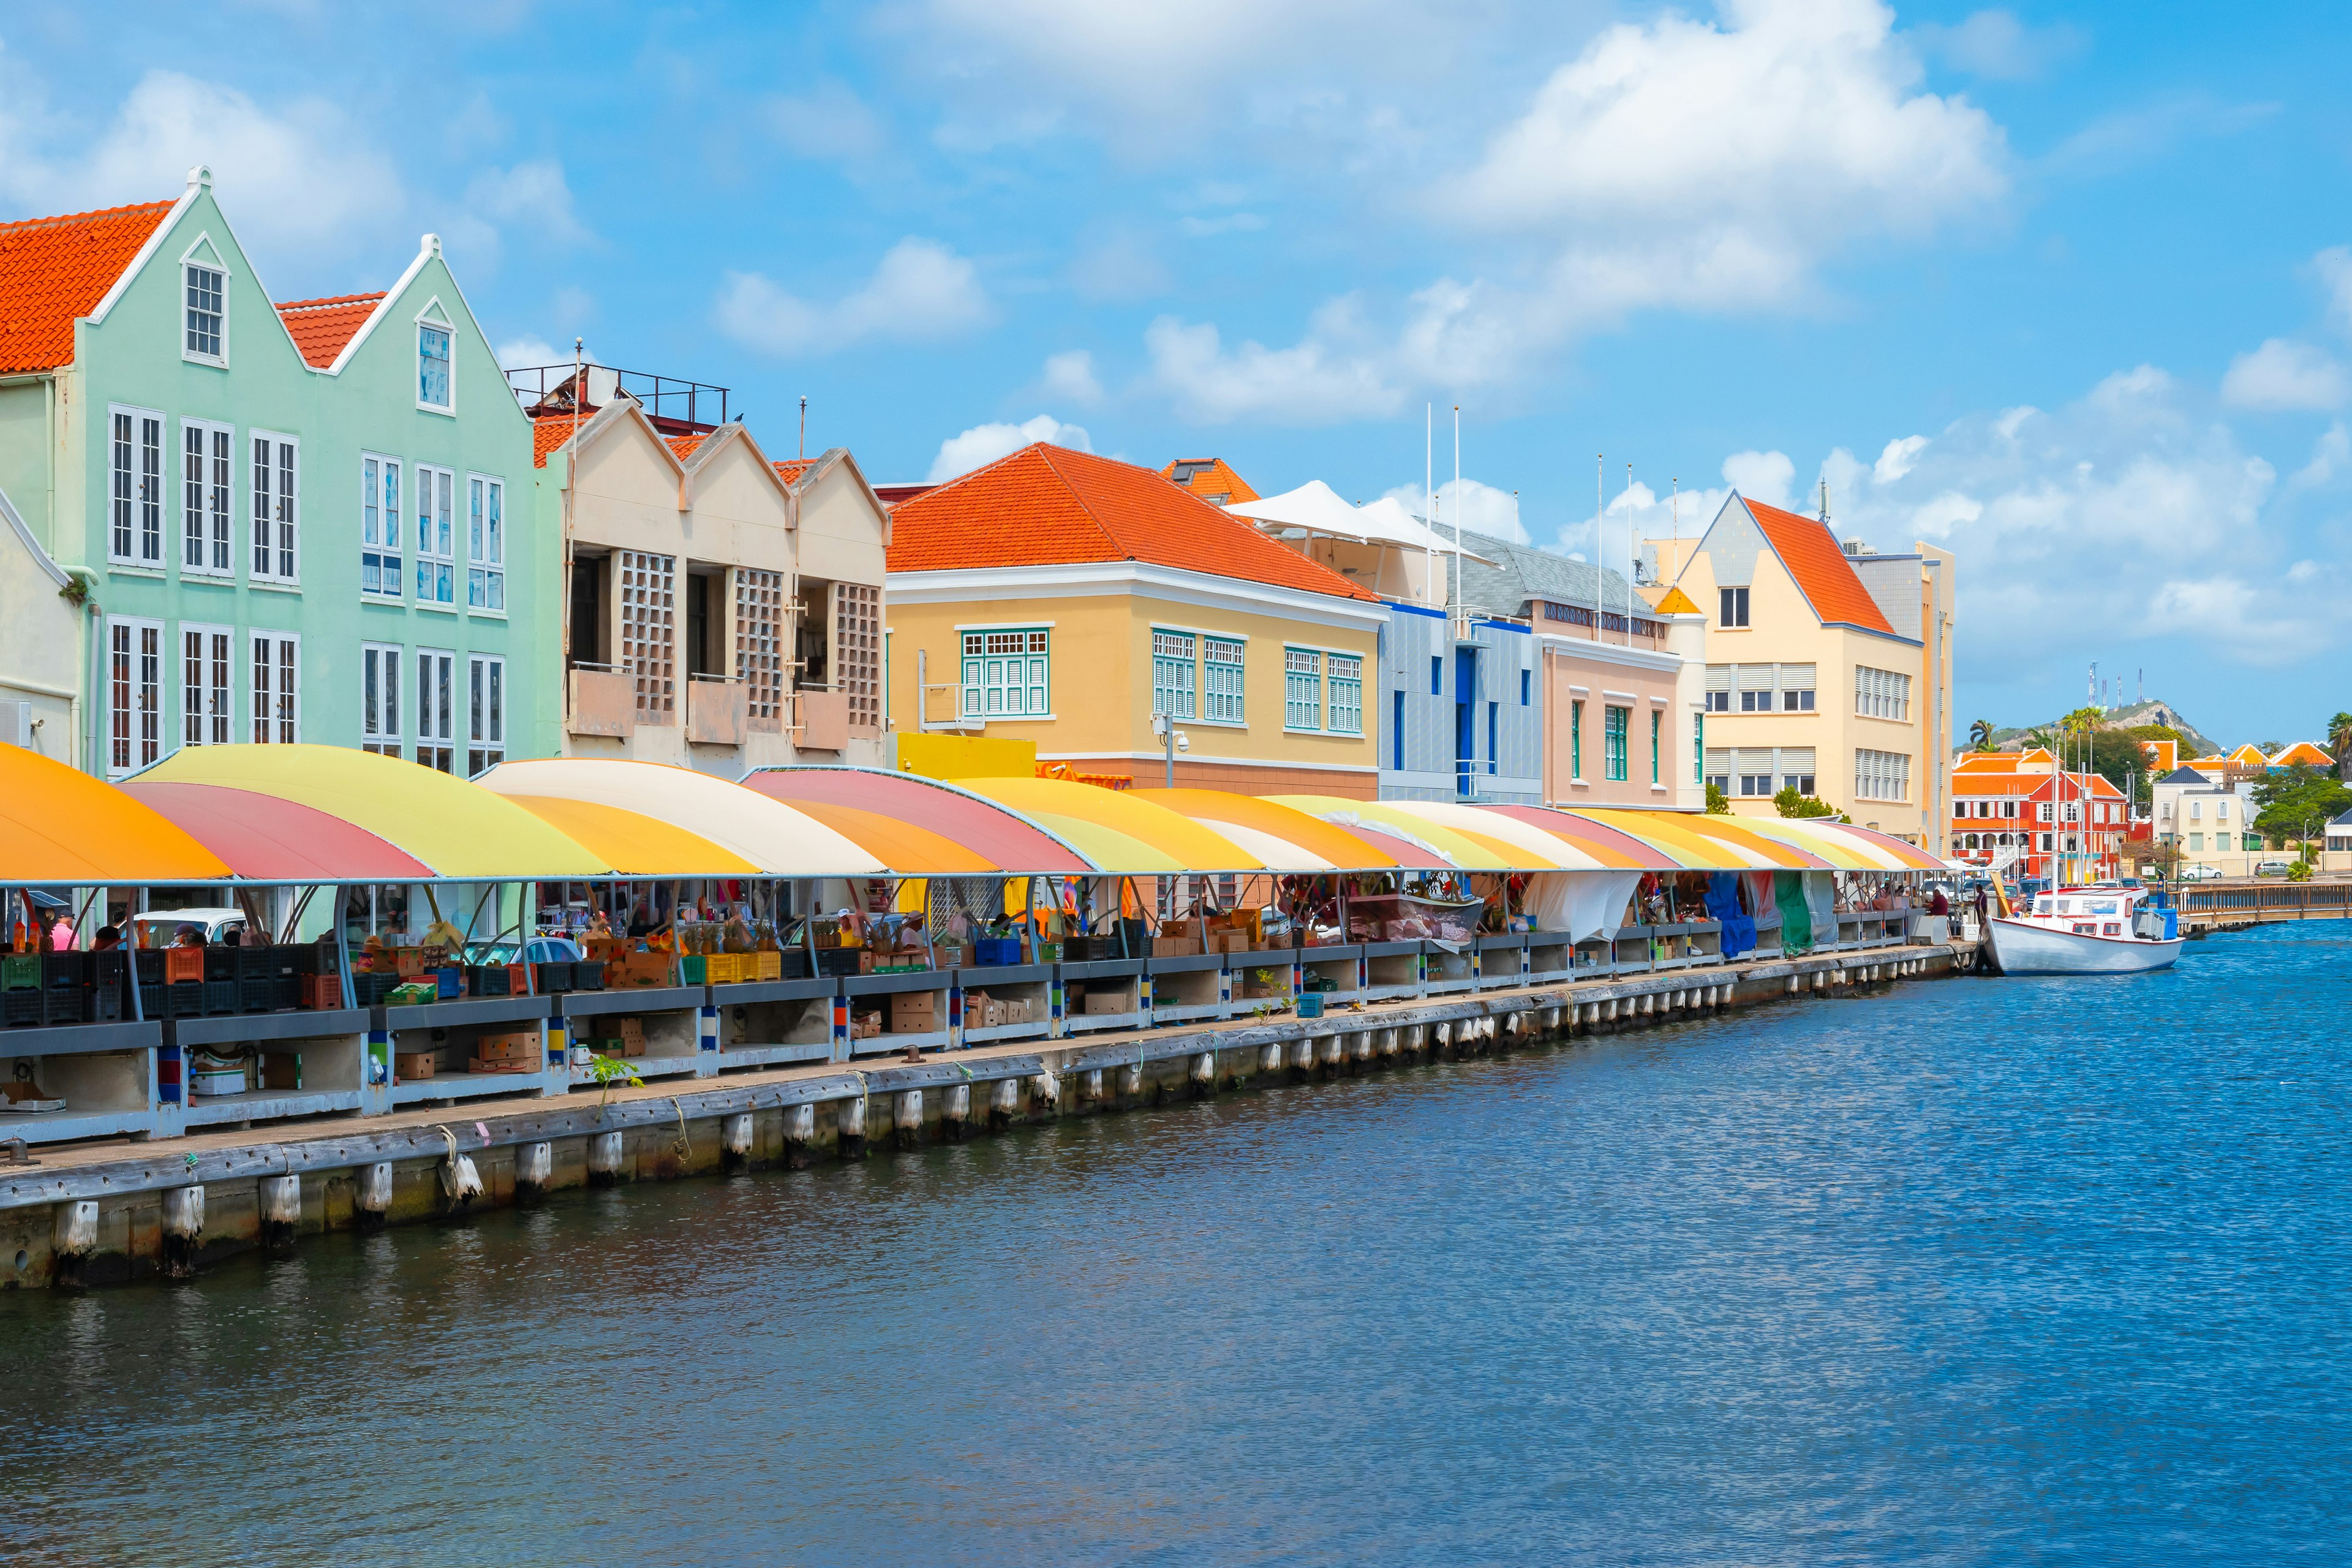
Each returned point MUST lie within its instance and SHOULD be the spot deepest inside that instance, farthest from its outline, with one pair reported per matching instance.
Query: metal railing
(661, 396)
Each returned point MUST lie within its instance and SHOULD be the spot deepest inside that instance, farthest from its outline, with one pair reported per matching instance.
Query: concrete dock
(116, 1211)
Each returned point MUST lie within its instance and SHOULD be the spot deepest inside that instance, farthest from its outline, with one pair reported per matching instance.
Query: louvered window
(1222, 665)
(1006, 674)
(1173, 674)
(1345, 700)
(857, 654)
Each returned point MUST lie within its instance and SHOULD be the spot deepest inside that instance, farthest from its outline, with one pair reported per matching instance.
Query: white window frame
(277, 539)
(189, 263)
(1302, 685)
(485, 548)
(275, 708)
(213, 539)
(1030, 665)
(135, 496)
(1175, 673)
(436, 723)
(1224, 681)
(383, 667)
(434, 318)
(1343, 676)
(387, 546)
(437, 537)
(140, 740)
(486, 685)
(212, 719)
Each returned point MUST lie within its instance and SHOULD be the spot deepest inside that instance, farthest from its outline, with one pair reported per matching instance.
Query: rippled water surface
(1986, 1271)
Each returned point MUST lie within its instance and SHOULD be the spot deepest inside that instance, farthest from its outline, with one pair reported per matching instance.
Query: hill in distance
(2194, 742)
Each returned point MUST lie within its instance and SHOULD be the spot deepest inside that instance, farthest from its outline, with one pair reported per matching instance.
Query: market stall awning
(1284, 837)
(459, 830)
(908, 848)
(1121, 833)
(59, 825)
(1004, 838)
(1667, 832)
(634, 843)
(1843, 854)
(1537, 849)
(1881, 851)
(265, 839)
(1780, 854)
(775, 838)
(1461, 851)
(1606, 844)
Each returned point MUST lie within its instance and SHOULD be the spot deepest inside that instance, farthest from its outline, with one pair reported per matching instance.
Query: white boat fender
(459, 1180)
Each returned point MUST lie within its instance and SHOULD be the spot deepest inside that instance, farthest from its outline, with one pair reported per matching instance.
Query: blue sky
(2058, 287)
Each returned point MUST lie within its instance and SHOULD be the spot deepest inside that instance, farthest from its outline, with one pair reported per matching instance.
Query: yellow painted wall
(1102, 676)
(966, 757)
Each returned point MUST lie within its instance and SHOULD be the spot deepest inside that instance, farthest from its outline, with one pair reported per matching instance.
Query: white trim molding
(1135, 579)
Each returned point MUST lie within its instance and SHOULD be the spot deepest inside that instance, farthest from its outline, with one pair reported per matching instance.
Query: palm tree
(2339, 741)
(1980, 734)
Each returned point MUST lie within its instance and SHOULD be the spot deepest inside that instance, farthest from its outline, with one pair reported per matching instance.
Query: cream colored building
(46, 641)
(1828, 667)
(722, 612)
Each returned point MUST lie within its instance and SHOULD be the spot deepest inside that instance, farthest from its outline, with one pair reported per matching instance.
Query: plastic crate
(587, 976)
(254, 992)
(104, 1003)
(551, 977)
(63, 1004)
(257, 962)
(20, 972)
(20, 1006)
(182, 966)
(70, 970)
(285, 992)
(151, 965)
(369, 990)
(450, 982)
(767, 966)
(487, 980)
(694, 969)
(110, 967)
(996, 951)
(313, 957)
(152, 1002)
(222, 962)
(182, 999)
(220, 997)
(724, 969)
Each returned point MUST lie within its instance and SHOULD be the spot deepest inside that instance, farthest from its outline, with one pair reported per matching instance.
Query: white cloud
(533, 195)
(1310, 384)
(1480, 508)
(298, 178)
(828, 122)
(519, 352)
(2329, 455)
(1996, 45)
(2282, 374)
(984, 443)
(1901, 456)
(1760, 476)
(921, 291)
(2334, 267)
(1071, 376)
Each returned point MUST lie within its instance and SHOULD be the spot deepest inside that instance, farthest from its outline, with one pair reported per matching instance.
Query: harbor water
(1979, 1271)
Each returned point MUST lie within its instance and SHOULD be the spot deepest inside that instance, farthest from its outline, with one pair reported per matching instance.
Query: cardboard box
(521, 1045)
(1226, 942)
(1176, 946)
(411, 1065)
(864, 1026)
(478, 1065)
(282, 1069)
(1111, 1002)
(1188, 927)
(631, 1029)
(913, 1012)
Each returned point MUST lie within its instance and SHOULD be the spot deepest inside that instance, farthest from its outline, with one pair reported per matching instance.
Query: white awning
(1315, 507)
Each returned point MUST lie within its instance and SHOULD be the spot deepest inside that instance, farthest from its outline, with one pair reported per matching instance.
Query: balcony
(821, 719)
(716, 710)
(602, 701)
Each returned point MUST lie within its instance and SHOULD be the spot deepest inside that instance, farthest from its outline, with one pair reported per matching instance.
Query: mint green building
(251, 521)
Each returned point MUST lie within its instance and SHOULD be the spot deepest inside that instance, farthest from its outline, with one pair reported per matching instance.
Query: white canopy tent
(1315, 507)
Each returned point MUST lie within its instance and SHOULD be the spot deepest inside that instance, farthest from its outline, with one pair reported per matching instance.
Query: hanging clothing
(1723, 906)
(1796, 916)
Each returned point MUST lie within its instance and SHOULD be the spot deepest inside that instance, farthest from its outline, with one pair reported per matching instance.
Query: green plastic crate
(20, 972)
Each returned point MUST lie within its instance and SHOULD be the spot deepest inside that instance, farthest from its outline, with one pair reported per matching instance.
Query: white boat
(2085, 930)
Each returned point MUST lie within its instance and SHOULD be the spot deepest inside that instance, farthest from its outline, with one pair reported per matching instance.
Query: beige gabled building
(1828, 667)
(722, 611)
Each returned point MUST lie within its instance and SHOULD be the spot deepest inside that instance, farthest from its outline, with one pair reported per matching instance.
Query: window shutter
(1718, 677)
(1754, 677)
(1796, 676)
(1796, 760)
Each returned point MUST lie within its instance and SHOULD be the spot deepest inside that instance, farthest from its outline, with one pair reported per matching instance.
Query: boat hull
(2019, 948)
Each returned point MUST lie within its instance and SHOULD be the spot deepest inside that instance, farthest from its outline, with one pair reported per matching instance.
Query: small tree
(1981, 735)
(1716, 802)
(1788, 803)
(2339, 741)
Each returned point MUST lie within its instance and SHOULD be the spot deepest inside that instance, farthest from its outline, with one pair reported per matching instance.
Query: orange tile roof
(549, 431)
(1822, 571)
(1206, 477)
(791, 469)
(684, 446)
(54, 270)
(321, 327)
(1048, 506)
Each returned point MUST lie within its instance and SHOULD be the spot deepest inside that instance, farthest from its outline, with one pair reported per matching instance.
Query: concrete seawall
(115, 1214)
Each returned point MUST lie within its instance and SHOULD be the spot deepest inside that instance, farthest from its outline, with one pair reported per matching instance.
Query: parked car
(2270, 868)
(158, 928)
(2199, 873)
